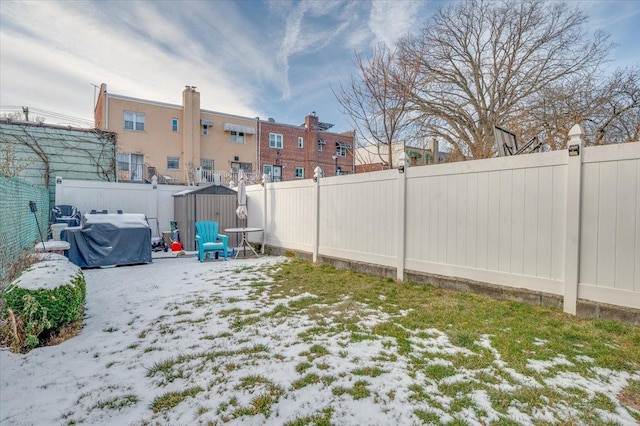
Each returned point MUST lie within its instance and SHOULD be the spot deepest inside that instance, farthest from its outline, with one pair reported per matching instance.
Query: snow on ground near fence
(163, 337)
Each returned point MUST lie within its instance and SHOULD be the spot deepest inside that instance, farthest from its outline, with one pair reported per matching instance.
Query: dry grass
(630, 396)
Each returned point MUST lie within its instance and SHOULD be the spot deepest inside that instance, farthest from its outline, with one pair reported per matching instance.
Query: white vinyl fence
(548, 222)
(154, 202)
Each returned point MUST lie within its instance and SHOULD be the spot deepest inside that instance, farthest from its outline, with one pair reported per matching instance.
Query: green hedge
(63, 304)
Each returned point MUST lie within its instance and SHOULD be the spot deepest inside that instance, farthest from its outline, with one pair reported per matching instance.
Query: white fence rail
(547, 222)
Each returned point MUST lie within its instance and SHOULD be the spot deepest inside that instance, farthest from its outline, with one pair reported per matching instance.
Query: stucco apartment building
(178, 143)
(186, 144)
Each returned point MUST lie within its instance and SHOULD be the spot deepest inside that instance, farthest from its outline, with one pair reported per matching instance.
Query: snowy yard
(181, 342)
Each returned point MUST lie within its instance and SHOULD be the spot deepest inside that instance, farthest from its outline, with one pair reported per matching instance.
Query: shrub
(28, 311)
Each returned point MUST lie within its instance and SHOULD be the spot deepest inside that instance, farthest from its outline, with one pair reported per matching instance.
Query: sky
(278, 59)
(168, 327)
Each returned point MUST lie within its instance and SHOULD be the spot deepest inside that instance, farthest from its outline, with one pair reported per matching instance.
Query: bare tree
(607, 107)
(481, 64)
(377, 109)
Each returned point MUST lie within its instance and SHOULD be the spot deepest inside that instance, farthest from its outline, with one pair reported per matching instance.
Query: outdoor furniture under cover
(208, 239)
(109, 240)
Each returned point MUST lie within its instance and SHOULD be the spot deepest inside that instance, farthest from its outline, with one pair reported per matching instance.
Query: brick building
(288, 152)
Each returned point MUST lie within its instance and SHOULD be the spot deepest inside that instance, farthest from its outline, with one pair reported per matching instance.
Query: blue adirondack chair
(208, 239)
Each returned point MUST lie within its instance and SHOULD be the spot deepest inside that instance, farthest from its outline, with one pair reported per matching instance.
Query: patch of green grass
(358, 391)
(315, 352)
(302, 367)
(117, 402)
(322, 418)
(427, 417)
(169, 400)
(368, 371)
(260, 404)
(309, 379)
(439, 371)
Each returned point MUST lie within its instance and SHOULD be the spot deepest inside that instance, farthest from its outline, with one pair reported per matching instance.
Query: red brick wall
(290, 156)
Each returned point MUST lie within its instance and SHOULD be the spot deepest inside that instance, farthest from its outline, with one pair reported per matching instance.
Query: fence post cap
(576, 132)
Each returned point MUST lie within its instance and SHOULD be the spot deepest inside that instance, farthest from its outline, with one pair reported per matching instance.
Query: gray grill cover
(109, 240)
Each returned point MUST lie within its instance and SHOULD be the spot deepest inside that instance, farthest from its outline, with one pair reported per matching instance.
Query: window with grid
(174, 125)
(299, 173)
(275, 140)
(134, 121)
(236, 137)
(300, 142)
(173, 163)
(341, 149)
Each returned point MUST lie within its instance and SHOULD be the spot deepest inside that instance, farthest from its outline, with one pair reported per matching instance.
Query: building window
(275, 140)
(173, 163)
(174, 125)
(321, 142)
(266, 170)
(130, 166)
(236, 137)
(205, 130)
(300, 142)
(299, 173)
(206, 164)
(134, 121)
(341, 149)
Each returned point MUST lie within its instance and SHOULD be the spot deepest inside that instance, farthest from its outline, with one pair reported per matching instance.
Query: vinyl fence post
(153, 205)
(265, 181)
(403, 164)
(575, 152)
(317, 174)
(59, 191)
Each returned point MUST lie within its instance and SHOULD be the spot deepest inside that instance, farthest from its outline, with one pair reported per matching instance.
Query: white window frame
(300, 142)
(299, 175)
(175, 125)
(171, 160)
(237, 137)
(275, 141)
(341, 149)
(136, 119)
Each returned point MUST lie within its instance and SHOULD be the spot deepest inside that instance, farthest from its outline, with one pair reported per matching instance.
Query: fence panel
(18, 224)
(289, 211)
(610, 226)
(358, 217)
(489, 220)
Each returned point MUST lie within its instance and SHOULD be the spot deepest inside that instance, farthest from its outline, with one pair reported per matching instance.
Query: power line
(59, 118)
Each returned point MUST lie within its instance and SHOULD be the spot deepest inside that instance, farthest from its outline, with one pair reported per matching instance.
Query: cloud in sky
(252, 58)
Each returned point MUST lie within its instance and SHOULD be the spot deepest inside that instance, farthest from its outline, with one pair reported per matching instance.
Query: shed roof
(207, 189)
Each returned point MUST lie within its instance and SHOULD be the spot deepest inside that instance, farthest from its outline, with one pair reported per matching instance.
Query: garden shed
(212, 202)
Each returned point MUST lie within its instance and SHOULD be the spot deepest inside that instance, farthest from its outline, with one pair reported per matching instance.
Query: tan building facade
(177, 143)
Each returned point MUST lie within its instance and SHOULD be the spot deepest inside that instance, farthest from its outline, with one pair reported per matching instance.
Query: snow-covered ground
(181, 342)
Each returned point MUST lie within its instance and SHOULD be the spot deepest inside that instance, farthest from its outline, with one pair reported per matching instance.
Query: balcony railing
(144, 173)
(229, 178)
